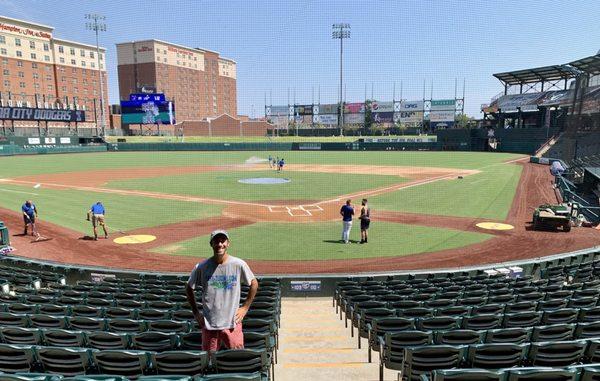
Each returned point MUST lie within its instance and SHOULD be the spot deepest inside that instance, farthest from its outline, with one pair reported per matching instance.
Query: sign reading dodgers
(441, 116)
(26, 113)
(411, 106)
(443, 104)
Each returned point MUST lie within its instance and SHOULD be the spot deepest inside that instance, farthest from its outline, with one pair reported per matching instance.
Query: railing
(567, 192)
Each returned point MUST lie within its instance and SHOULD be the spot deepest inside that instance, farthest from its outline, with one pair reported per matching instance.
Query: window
(47, 58)
(22, 85)
(61, 49)
(101, 57)
(34, 65)
(76, 90)
(5, 72)
(21, 74)
(2, 40)
(64, 88)
(72, 51)
(17, 42)
(7, 83)
(20, 63)
(33, 56)
(4, 61)
(36, 86)
(101, 66)
(74, 81)
(164, 60)
(63, 78)
(19, 53)
(164, 52)
(83, 63)
(48, 77)
(91, 54)
(49, 87)
(32, 44)
(2, 51)
(73, 62)
(84, 71)
(73, 70)
(62, 59)
(36, 76)
(93, 65)
(46, 47)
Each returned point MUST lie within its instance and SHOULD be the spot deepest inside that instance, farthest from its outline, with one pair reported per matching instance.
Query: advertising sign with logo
(33, 140)
(443, 104)
(278, 110)
(411, 106)
(382, 106)
(50, 115)
(328, 119)
(440, 125)
(305, 286)
(354, 108)
(303, 110)
(50, 140)
(65, 140)
(279, 121)
(441, 116)
(354, 118)
(408, 116)
(383, 117)
(159, 97)
(328, 109)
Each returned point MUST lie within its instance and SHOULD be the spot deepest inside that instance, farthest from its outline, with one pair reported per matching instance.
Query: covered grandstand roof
(538, 74)
(590, 65)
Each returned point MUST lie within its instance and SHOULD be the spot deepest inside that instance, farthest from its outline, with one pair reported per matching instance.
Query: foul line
(16, 191)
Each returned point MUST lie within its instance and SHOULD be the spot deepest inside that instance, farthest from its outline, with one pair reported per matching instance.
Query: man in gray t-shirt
(221, 277)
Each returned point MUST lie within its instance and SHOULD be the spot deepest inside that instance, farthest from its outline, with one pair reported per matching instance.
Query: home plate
(134, 239)
(36, 186)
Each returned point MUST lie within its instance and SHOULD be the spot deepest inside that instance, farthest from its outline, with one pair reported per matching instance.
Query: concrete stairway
(315, 345)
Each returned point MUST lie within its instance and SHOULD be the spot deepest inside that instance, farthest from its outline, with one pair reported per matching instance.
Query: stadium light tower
(341, 31)
(97, 25)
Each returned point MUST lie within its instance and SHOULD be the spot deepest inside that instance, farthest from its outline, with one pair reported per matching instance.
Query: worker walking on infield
(30, 213)
(280, 165)
(97, 213)
(219, 279)
(270, 161)
(365, 220)
(347, 211)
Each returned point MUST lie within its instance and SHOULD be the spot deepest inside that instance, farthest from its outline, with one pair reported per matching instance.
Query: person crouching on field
(97, 213)
(220, 278)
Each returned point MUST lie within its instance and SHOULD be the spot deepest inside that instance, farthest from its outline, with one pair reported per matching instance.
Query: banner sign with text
(49, 115)
(443, 105)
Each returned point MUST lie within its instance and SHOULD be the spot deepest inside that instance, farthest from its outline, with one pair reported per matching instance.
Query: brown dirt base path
(534, 188)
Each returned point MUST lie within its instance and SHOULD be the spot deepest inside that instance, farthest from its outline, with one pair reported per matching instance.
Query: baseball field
(161, 206)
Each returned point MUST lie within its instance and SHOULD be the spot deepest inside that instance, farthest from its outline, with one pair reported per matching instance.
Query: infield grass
(68, 208)
(316, 241)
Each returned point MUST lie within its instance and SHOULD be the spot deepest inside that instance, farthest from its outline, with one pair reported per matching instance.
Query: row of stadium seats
(239, 376)
(414, 361)
(130, 363)
(586, 372)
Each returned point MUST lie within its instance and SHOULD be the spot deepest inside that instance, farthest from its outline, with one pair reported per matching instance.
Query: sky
(395, 50)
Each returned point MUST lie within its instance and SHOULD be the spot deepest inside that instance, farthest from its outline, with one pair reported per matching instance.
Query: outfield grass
(68, 208)
(13, 166)
(320, 241)
(258, 139)
(225, 185)
(488, 194)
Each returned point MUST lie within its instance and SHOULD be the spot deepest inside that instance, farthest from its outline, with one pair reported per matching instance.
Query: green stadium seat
(64, 361)
(84, 323)
(496, 355)
(541, 374)
(47, 321)
(468, 375)
(180, 362)
(153, 341)
(392, 345)
(63, 338)
(458, 337)
(556, 354)
(587, 330)
(106, 340)
(424, 360)
(21, 336)
(122, 363)
(556, 332)
(126, 325)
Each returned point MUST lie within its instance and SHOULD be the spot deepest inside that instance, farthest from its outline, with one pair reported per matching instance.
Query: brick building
(200, 82)
(42, 71)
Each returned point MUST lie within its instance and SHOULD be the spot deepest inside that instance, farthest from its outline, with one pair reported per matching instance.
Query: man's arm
(243, 310)
(191, 297)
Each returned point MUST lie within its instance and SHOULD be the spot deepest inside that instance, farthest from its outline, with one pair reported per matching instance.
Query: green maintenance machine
(549, 216)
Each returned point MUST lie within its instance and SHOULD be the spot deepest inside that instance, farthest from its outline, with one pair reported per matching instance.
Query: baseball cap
(218, 232)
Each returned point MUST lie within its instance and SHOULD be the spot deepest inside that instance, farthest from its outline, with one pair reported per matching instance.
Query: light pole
(97, 25)
(341, 31)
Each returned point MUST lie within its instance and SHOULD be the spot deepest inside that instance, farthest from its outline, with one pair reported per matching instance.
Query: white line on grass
(16, 191)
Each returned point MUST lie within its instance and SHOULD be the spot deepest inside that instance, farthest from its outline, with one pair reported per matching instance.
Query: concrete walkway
(315, 345)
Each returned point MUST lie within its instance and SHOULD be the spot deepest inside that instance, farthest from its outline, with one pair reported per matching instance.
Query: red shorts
(212, 340)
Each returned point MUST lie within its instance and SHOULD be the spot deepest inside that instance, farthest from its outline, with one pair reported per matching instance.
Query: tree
(464, 121)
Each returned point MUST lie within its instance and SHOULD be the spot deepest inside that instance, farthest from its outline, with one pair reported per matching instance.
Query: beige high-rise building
(40, 70)
(200, 82)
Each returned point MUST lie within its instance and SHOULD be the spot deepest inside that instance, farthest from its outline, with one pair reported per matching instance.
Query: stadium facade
(39, 70)
(200, 82)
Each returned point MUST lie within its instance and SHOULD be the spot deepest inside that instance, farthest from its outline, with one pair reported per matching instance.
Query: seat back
(541, 374)
(65, 361)
(122, 363)
(63, 338)
(425, 359)
(468, 375)
(556, 354)
(508, 335)
(106, 340)
(153, 341)
(15, 358)
(180, 362)
(240, 360)
(496, 355)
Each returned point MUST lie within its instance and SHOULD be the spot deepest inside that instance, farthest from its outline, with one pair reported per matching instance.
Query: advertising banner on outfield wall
(408, 116)
(328, 119)
(411, 106)
(377, 106)
(354, 118)
(443, 105)
(303, 109)
(383, 117)
(354, 108)
(328, 108)
(278, 110)
(440, 125)
(441, 116)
